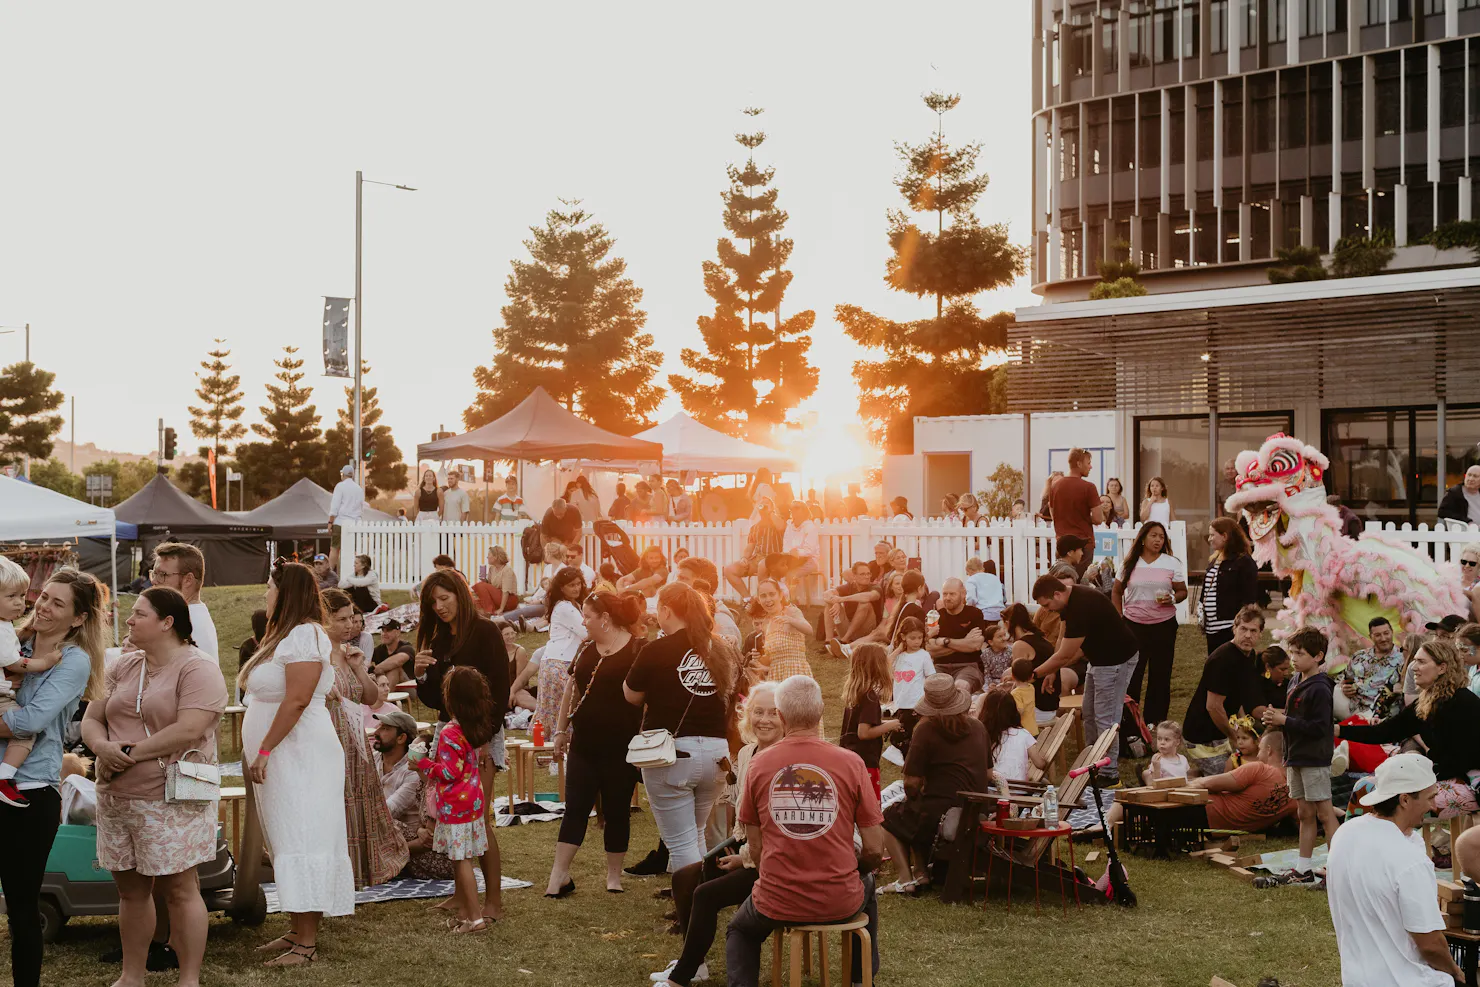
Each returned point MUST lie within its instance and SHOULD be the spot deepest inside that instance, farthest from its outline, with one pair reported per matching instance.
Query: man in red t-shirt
(1076, 503)
(802, 799)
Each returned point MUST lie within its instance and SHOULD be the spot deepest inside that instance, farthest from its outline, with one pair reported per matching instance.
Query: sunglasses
(1468, 563)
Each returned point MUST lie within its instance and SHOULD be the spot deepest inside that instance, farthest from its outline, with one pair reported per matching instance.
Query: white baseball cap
(347, 470)
(1401, 774)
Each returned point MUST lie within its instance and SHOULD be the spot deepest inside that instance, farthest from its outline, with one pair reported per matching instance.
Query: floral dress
(453, 773)
(995, 664)
(376, 847)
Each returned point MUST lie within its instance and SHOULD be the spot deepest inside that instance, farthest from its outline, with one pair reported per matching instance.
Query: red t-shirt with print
(806, 795)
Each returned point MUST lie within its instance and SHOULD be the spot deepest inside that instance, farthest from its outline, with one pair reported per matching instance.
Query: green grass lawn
(1193, 921)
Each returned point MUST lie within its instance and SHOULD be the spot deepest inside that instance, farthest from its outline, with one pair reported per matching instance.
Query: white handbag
(192, 782)
(656, 748)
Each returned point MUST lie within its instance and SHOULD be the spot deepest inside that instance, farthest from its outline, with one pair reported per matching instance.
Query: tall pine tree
(290, 425)
(26, 403)
(385, 472)
(218, 419)
(742, 349)
(941, 365)
(572, 326)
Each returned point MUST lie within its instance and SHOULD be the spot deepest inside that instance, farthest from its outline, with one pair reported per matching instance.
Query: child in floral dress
(458, 790)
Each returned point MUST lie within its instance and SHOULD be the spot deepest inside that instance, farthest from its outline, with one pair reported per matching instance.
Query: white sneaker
(701, 974)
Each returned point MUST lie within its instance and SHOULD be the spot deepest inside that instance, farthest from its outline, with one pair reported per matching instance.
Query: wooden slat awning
(1343, 349)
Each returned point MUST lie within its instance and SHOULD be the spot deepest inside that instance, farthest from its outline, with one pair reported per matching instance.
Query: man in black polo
(957, 646)
(1229, 682)
(1092, 624)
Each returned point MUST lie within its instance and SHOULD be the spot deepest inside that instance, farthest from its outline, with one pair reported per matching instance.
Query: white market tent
(31, 513)
(689, 446)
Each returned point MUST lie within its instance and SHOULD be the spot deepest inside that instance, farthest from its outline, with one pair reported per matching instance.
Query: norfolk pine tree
(935, 366)
(385, 472)
(293, 447)
(742, 350)
(571, 326)
(26, 398)
(218, 420)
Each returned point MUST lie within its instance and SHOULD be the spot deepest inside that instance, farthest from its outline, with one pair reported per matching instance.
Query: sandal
(278, 944)
(898, 887)
(298, 955)
(470, 926)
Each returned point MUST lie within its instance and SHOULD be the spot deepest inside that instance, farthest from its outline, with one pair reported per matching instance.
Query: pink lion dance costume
(1337, 584)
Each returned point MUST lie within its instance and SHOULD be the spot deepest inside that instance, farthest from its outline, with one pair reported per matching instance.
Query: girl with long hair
(593, 730)
(67, 618)
(686, 684)
(427, 504)
(452, 771)
(298, 768)
(567, 634)
(580, 495)
(782, 642)
(868, 687)
(377, 850)
(1157, 504)
(453, 634)
(1028, 642)
(1444, 718)
(1230, 583)
(1122, 507)
(1148, 587)
(1011, 747)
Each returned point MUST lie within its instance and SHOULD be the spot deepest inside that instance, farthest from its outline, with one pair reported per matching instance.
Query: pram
(615, 546)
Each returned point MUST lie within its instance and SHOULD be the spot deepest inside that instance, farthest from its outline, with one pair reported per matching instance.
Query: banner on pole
(336, 337)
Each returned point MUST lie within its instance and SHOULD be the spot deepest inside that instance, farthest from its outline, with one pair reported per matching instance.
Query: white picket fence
(1442, 543)
(402, 552)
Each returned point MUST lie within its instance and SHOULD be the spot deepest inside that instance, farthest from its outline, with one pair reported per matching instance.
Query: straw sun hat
(942, 698)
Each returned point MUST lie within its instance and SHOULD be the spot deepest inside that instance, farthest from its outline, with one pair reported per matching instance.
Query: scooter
(1120, 886)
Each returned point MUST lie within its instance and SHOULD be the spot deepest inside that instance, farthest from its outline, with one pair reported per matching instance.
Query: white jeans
(683, 793)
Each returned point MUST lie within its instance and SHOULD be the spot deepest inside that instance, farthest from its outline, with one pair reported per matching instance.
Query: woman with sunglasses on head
(67, 618)
(593, 729)
(297, 769)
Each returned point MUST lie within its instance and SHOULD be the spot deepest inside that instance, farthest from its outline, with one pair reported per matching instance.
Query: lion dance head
(1269, 481)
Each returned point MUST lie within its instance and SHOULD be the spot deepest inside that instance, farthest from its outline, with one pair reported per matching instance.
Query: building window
(1078, 44)
(1138, 37)
(1218, 26)
(1109, 54)
(1097, 138)
(1068, 145)
(1251, 22)
(1433, 7)
(1385, 461)
(1452, 84)
(1191, 29)
(1205, 122)
(1178, 127)
(1416, 89)
(1292, 108)
(1123, 132)
(1276, 23)
(1262, 112)
(1389, 94)
(1351, 99)
(1069, 247)
(1335, 15)
(1233, 118)
(1164, 28)
(1150, 129)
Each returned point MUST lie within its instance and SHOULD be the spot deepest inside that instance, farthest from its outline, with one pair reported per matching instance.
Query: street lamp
(7, 330)
(360, 181)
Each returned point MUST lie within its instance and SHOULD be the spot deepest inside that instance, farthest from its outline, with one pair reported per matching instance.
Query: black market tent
(539, 428)
(301, 512)
(235, 549)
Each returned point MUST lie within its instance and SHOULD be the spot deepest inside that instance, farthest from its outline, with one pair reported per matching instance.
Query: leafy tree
(219, 417)
(26, 398)
(941, 365)
(572, 326)
(386, 471)
(1297, 263)
(128, 478)
(294, 448)
(53, 474)
(742, 350)
(1004, 486)
(1362, 257)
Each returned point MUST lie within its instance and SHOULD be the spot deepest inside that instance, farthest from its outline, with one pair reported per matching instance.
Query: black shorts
(914, 822)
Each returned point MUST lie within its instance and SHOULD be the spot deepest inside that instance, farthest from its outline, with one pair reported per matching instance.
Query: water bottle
(1472, 906)
(538, 734)
(1050, 806)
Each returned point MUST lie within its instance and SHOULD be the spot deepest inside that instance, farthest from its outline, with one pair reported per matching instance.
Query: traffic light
(169, 443)
(367, 442)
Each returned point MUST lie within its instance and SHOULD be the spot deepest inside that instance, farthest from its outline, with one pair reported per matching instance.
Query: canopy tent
(539, 428)
(235, 549)
(689, 446)
(301, 512)
(32, 513)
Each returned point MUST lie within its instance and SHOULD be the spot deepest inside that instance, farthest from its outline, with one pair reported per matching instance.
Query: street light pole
(359, 249)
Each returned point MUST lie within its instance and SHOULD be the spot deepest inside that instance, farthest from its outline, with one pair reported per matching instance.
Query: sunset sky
(178, 172)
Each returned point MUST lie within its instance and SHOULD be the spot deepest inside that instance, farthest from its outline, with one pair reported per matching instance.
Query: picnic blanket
(401, 891)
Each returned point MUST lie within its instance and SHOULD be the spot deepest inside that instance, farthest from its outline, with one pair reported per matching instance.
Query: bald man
(957, 644)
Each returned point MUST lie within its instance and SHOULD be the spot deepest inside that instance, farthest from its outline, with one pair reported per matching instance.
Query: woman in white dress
(296, 763)
(1157, 506)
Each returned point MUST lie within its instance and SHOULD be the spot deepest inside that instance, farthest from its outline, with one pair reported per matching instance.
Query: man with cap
(393, 656)
(347, 504)
(1446, 626)
(1380, 883)
(324, 571)
(398, 781)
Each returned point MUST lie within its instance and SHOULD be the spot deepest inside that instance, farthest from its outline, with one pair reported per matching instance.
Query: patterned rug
(401, 891)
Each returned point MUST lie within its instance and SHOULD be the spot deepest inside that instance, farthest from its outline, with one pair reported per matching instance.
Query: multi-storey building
(1207, 134)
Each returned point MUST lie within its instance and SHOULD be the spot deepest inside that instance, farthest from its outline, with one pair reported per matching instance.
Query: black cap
(1448, 624)
(1068, 543)
(392, 623)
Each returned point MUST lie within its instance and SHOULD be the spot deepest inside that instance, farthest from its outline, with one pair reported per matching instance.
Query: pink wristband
(264, 752)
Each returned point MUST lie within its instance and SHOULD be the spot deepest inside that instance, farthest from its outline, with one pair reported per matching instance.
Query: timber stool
(801, 951)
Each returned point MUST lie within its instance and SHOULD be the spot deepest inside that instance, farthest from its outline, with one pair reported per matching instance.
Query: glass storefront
(1175, 448)
(1384, 461)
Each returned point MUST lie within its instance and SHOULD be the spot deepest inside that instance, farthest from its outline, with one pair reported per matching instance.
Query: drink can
(1004, 809)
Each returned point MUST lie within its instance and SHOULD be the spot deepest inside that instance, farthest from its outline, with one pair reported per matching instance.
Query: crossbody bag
(185, 782)
(656, 748)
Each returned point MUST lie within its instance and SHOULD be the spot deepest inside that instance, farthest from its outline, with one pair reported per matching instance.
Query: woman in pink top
(458, 789)
(1150, 584)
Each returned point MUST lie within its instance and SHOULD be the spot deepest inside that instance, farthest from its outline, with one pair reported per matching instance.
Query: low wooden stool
(516, 770)
(398, 699)
(529, 756)
(234, 716)
(236, 797)
(801, 951)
